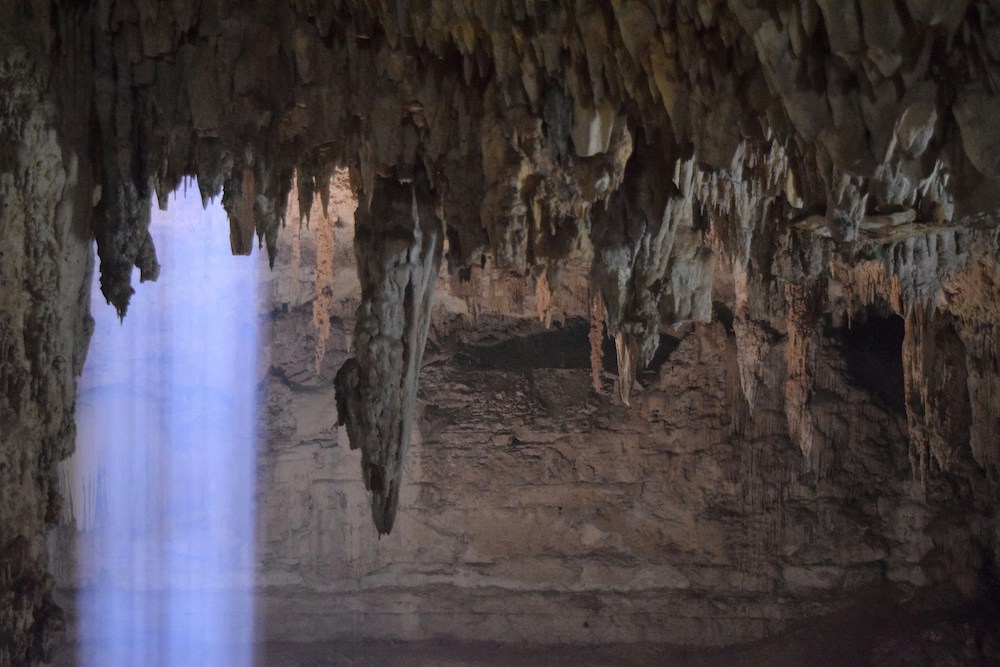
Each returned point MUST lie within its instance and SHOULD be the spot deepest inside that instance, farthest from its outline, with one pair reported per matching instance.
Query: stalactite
(398, 243)
(627, 350)
(543, 300)
(936, 383)
(322, 301)
(753, 342)
(803, 308)
(242, 218)
(596, 339)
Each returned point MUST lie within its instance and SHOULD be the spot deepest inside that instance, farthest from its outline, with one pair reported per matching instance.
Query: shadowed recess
(564, 346)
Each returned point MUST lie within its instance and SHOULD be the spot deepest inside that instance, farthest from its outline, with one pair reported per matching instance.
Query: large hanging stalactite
(398, 243)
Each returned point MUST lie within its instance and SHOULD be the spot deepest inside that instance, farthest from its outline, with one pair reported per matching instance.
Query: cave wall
(45, 269)
(536, 510)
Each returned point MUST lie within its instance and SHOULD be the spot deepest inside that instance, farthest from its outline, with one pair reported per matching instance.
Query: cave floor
(875, 631)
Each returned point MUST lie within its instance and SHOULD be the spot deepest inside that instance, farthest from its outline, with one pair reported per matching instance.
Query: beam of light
(166, 459)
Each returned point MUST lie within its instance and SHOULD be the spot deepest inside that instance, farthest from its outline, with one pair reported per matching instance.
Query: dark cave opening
(564, 346)
(872, 345)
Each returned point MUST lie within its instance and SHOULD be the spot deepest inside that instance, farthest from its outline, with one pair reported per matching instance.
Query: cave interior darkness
(591, 332)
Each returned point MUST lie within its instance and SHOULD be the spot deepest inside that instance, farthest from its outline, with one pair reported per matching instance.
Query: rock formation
(782, 168)
(398, 246)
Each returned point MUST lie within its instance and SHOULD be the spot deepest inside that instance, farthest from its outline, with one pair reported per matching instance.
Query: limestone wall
(535, 510)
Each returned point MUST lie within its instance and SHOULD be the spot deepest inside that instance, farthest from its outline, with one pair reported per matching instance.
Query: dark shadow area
(872, 345)
(666, 347)
(566, 346)
(875, 629)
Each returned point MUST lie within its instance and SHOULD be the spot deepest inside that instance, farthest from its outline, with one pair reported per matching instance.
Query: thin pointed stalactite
(398, 244)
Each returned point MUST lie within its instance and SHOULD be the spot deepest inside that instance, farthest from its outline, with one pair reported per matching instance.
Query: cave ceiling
(822, 156)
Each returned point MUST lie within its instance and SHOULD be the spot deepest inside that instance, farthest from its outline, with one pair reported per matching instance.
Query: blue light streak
(168, 419)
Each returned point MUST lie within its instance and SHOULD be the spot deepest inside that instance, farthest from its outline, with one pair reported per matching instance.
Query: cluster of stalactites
(944, 286)
(671, 142)
(537, 93)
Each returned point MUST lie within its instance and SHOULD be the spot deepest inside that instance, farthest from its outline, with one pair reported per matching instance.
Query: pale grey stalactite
(398, 244)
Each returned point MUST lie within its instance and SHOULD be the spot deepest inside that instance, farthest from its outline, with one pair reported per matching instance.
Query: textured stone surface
(536, 511)
(45, 266)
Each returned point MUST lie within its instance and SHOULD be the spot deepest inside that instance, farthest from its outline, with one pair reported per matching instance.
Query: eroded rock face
(790, 163)
(683, 518)
(45, 264)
